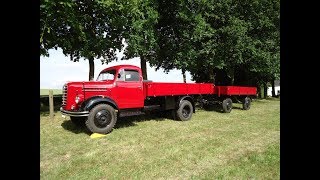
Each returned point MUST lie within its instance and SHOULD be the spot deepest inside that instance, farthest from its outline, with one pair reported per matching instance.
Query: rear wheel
(246, 103)
(78, 121)
(184, 113)
(227, 105)
(101, 119)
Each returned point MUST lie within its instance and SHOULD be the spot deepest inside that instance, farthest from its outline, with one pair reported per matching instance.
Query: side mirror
(119, 75)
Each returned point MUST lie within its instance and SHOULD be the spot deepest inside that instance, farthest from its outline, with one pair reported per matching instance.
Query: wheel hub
(185, 112)
(228, 105)
(102, 118)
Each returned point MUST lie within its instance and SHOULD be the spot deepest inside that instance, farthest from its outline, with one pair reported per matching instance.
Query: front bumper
(75, 114)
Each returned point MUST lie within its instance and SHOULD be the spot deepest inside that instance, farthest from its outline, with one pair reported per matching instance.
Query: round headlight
(77, 99)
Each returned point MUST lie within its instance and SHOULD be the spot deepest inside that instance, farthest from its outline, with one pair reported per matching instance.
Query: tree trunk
(184, 75)
(273, 89)
(232, 79)
(91, 68)
(265, 90)
(231, 76)
(212, 75)
(143, 64)
(259, 91)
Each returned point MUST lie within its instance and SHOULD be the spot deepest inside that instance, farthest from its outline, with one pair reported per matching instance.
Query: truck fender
(189, 98)
(91, 102)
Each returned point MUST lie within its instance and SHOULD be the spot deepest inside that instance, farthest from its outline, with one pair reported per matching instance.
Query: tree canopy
(140, 32)
(227, 42)
(83, 28)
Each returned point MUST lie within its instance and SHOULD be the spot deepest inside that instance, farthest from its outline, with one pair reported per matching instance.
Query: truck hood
(97, 85)
(84, 90)
(90, 84)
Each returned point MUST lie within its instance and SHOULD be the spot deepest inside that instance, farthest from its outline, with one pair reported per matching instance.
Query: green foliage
(236, 40)
(89, 29)
(81, 28)
(226, 41)
(245, 38)
(140, 33)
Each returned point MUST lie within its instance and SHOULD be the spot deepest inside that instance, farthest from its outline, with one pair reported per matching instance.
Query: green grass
(212, 145)
(45, 92)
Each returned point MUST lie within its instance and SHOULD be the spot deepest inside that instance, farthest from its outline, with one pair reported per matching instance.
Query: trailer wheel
(78, 121)
(101, 119)
(246, 103)
(227, 105)
(184, 113)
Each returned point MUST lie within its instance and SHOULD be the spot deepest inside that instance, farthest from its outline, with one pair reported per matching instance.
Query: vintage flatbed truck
(121, 91)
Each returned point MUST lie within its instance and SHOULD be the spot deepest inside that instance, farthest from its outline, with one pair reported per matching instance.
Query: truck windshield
(106, 75)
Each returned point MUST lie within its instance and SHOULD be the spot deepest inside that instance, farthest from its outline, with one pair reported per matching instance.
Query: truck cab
(118, 87)
(128, 87)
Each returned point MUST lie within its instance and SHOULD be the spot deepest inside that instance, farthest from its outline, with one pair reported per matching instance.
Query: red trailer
(121, 91)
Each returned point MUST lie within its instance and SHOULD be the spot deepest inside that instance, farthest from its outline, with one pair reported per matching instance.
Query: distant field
(212, 145)
(45, 92)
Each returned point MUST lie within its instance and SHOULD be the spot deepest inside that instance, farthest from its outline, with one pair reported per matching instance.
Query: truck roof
(121, 66)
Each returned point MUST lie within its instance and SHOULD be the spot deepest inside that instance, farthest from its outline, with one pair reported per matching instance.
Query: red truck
(121, 91)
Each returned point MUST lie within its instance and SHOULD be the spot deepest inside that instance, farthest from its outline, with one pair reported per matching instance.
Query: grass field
(212, 145)
(45, 92)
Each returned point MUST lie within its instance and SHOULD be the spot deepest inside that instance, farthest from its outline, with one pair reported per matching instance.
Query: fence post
(51, 104)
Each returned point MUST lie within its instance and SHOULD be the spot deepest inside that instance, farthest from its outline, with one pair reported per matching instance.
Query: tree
(83, 28)
(140, 32)
(154, 35)
(265, 34)
(236, 42)
(184, 75)
(173, 37)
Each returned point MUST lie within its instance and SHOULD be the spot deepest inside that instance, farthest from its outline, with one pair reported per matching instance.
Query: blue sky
(57, 69)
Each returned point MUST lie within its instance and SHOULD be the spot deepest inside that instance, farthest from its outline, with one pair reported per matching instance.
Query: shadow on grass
(123, 122)
(47, 113)
(44, 113)
(235, 107)
(77, 129)
(216, 108)
(267, 100)
(273, 98)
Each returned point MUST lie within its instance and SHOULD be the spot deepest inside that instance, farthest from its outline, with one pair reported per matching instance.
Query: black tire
(227, 105)
(101, 119)
(78, 121)
(184, 113)
(246, 103)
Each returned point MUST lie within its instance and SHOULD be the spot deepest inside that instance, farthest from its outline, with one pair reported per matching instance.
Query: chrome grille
(64, 95)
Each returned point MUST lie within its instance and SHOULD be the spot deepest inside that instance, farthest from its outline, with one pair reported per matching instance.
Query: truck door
(129, 89)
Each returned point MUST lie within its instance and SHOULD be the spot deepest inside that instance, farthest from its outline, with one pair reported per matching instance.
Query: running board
(151, 107)
(130, 113)
(137, 112)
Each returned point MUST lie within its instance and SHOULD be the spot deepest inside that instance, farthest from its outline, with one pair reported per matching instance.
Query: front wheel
(184, 113)
(101, 119)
